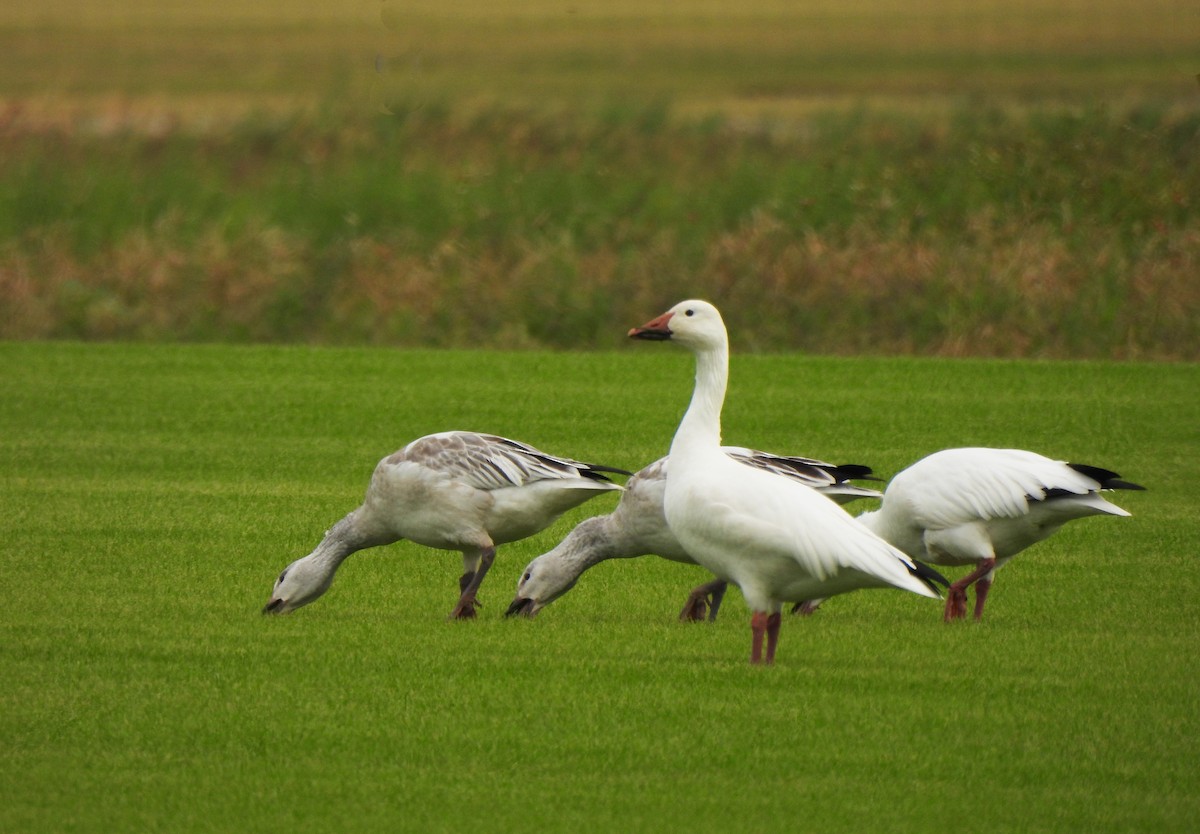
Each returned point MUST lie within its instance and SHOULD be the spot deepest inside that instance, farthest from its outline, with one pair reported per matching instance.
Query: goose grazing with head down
(981, 507)
(455, 490)
(775, 539)
(637, 527)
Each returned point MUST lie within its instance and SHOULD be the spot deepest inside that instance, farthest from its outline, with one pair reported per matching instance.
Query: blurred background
(929, 177)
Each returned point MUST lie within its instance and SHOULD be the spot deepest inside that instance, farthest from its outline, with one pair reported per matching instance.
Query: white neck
(701, 425)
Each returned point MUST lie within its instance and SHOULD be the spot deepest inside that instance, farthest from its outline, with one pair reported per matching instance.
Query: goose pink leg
(773, 622)
(758, 628)
(764, 625)
(981, 591)
(956, 597)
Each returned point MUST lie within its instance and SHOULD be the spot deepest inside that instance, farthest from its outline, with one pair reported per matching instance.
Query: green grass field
(152, 493)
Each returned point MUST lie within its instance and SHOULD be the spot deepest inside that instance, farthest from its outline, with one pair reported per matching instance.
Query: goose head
(545, 579)
(694, 324)
(300, 583)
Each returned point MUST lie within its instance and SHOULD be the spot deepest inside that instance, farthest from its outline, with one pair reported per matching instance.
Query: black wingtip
(928, 575)
(1105, 477)
(854, 472)
(595, 470)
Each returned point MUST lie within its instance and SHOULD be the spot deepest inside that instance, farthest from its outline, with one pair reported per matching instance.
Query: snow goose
(637, 527)
(455, 490)
(777, 540)
(981, 507)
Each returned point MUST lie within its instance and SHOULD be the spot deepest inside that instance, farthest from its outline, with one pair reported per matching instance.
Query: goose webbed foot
(703, 599)
(807, 608)
(467, 608)
(956, 604)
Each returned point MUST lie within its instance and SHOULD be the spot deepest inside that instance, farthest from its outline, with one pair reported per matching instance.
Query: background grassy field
(1003, 179)
(151, 494)
(548, 51)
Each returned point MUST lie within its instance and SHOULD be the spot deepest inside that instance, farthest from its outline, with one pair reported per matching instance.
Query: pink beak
(655, 329)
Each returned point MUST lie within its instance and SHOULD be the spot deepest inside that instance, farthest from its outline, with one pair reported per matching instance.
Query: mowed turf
(152, 494)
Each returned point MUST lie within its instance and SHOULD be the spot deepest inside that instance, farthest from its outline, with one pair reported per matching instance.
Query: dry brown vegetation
(842, 178)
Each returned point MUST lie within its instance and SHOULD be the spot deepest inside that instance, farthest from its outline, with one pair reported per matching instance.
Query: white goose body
(980, 507)
(776, 539)
(454, 490)
(638, 527)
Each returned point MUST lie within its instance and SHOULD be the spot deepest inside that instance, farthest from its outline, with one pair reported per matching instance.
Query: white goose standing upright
(777, 540)
(455, 490)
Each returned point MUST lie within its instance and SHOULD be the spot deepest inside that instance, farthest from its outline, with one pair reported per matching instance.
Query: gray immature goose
(455, 490)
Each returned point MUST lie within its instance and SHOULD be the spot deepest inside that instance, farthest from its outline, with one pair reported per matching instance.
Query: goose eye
(690, 313)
